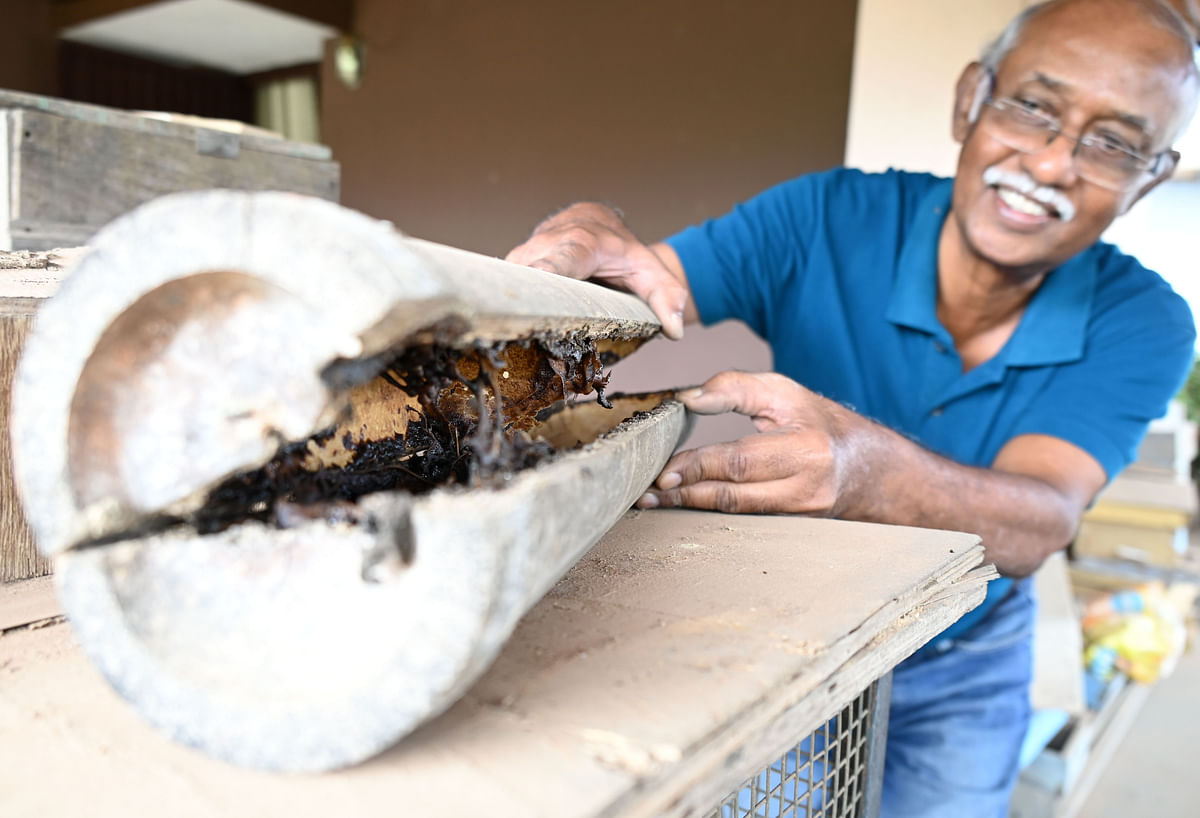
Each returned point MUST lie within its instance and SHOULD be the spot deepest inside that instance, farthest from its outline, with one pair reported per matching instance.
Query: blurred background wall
(476, 119)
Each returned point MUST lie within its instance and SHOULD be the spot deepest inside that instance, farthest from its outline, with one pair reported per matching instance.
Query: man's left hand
(803, 460)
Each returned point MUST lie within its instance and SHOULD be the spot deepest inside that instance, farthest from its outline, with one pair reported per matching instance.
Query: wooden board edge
(760, 735)
(18, 101)
(28, 601)
(7, 155)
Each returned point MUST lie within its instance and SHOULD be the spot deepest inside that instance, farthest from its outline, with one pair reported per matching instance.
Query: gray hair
(995, 52)
(1159, 11)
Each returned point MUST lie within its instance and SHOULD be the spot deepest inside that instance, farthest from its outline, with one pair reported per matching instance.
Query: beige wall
(908, 55)
(476, 118)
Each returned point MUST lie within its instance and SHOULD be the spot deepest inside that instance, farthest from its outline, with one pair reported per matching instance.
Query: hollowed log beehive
(301, 475)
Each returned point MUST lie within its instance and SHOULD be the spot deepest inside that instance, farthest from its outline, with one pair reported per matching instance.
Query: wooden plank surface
(153, 124)
(27, 602)
(70, 176)
(18, 554)
(685, 647)
(26, 278)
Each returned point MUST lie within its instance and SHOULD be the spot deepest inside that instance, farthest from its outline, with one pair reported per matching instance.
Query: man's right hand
(590, 241)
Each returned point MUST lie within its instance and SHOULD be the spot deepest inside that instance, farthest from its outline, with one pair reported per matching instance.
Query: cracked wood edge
(771, 726)
(26, 280)
(27, 602)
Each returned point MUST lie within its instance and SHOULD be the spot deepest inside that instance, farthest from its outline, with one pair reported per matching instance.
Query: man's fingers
(565, 258)
(667, 298)
(747, 394)
(591, 242)
(756, 459)
(715, 495)
(531, 257)
(791, 466)
(571, 249)
(547, 265)
(527, 253)
(648, 277)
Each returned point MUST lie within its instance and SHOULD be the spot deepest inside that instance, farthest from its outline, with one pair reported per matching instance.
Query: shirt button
(939, 346)
(937, 413)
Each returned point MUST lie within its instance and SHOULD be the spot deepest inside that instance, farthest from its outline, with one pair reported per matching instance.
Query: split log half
(203, 335)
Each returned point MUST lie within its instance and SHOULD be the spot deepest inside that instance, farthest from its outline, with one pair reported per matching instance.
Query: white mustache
(1022, 183)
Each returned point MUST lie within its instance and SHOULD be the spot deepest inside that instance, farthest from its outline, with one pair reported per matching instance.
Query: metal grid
(829, 774)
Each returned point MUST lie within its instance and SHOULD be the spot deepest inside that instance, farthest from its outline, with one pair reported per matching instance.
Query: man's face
(1095, 75)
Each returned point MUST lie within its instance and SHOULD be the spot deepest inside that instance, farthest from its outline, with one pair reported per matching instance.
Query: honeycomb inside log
(433, 417)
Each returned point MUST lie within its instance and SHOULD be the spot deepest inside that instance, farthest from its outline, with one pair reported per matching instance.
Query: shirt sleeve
(737, 262)
(1136, 360)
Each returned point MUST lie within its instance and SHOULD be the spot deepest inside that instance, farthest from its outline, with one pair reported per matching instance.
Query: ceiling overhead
(231, 35)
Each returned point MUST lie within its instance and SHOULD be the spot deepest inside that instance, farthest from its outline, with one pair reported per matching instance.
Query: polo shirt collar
(914, 293)
(1054, 326)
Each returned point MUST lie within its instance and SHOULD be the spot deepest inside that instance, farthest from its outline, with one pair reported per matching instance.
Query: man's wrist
(866, 449)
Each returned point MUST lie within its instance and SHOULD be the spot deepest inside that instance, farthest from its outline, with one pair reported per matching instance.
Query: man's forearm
(815, 456)
(1022, 519)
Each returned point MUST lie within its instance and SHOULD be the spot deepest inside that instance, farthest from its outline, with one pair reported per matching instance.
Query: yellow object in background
(1144, 632)
(1125, 601)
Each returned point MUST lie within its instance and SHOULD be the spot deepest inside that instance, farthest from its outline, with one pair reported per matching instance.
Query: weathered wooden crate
(67, 169)
(1142, 516)
(26, 279)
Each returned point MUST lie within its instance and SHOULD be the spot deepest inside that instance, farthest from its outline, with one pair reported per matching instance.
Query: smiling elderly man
(1001, 362)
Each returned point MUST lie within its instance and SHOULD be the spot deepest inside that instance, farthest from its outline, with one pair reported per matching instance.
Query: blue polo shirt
(838, 273)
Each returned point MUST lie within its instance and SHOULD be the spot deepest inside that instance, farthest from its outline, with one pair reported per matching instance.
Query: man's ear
(1168, 163)
(973, 89)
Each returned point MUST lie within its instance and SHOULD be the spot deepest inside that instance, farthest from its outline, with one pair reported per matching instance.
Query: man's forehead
(1060, 85)
(1146, 31)
(1136, 65)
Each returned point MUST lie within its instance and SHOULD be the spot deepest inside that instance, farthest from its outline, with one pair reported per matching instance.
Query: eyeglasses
(1100, 158)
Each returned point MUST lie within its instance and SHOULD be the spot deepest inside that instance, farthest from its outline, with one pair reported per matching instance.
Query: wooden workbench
(681, 655)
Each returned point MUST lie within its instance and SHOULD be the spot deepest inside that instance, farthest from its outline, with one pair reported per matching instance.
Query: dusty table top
(680, 654)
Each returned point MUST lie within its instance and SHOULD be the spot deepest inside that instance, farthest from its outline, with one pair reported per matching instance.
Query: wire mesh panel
(825, 775)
